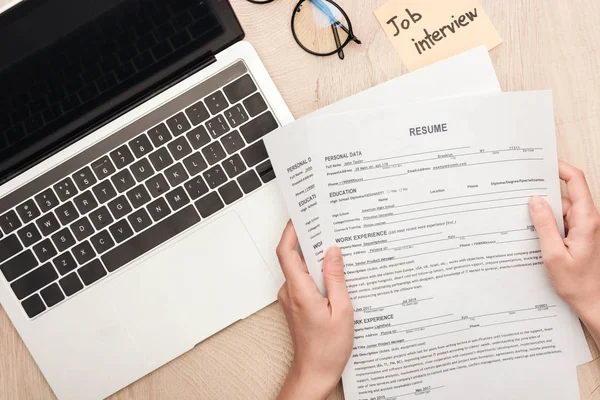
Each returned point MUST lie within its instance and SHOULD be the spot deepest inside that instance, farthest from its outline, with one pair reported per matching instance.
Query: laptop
(139, 213)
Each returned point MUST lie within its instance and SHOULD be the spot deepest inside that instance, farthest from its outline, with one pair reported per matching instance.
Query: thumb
(553, 247)
(333, 273)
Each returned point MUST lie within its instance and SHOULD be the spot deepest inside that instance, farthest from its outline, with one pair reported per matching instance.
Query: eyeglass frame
(334, 25)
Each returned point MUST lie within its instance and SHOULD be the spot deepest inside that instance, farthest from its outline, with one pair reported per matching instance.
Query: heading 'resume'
(424, 130)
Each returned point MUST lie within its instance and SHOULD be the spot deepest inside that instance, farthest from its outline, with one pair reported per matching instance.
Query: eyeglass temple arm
(338, 43)
(334, 21)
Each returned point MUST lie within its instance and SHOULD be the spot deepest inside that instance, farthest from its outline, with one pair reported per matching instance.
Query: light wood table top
(547, 45)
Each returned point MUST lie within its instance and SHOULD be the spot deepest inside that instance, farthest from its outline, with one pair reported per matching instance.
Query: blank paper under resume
(429, 205)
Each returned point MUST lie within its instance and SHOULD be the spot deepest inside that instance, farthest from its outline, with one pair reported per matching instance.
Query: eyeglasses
(320, 27)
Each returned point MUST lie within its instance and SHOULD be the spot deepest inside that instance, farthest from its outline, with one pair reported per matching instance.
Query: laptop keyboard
(135, 190)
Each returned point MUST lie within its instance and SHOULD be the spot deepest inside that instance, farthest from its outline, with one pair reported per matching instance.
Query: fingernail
(536, 204)
(334, 254)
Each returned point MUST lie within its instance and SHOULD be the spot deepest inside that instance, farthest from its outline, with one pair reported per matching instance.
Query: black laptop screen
(67, 66)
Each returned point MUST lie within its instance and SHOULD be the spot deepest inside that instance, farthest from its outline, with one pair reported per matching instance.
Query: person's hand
(322, 328)
(573, 263)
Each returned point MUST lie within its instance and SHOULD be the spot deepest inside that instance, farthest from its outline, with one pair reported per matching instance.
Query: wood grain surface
(550, 44)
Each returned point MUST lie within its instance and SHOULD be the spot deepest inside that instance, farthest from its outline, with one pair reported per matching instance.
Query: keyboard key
(67, 213)
(101, 218)
(195, 164)
(255, 104)
(215, 176)
(63, 239)
(122, 157)
(64, 263)
(52, 295)
(28, 211)
(234, 165)
(44, 250)
(232, 142)
(259, 127)
(19, 265)
(71, 284)
(249, 181)
(85, 202)
(9, 246)
(239, 89)
(158, 209)
(209, 204)
(33, 306)
(216, 102)
(149, 239)
(217, 126)
(34, 281)
(230, 192)
(178, 124)
(104, 191)
(103, 168)
(84, 178)
(140, 220)
(46, 200)
(197, 113)
(10, 222)
(121, 231)
(138, 196)
(142, 170)
(213, 153)
(82, 228)
(65, 189)
(177, 198)
(29, 235)
(48, 224)
(179, 148)
(123, 180)
(157, 185)
(83, 252)
(102, 242)
(160, 159)
(91, 272)
(159, 135)
(198, 137)
(255, 153)
(196, 187)
(140, 146)
(266, 172)
(119, 207)
(176, 175)
(236, 116)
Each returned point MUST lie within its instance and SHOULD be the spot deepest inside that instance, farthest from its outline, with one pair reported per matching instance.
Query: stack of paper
(424, 183)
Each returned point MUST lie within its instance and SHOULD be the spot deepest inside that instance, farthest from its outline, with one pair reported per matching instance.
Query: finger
(335, 281)
(577, 187)
(283, 295)
(566, 205)
(553, 247)
(289, 259)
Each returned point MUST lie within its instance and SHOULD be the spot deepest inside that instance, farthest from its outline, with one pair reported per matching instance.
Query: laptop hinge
(207, 59)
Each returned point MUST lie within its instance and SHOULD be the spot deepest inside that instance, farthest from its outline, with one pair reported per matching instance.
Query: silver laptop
(138, 208)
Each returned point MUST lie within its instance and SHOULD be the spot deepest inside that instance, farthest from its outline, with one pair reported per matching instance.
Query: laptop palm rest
(185, 292)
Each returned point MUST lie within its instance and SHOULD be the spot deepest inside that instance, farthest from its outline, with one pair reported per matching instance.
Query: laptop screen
(68, 66)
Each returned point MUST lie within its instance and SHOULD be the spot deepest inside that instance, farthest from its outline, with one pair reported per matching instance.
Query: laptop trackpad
(192, 288)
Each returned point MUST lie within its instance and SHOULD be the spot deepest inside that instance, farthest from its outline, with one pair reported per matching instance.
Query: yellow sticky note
(426, 31)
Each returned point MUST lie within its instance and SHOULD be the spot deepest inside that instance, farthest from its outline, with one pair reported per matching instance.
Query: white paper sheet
(467, 73)
(442, 262)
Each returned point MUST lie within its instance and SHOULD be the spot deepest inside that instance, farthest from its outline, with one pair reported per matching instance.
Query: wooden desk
(547, 45)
